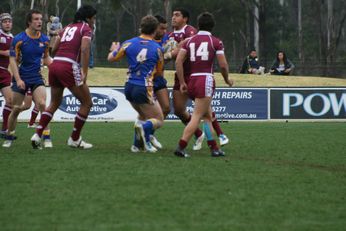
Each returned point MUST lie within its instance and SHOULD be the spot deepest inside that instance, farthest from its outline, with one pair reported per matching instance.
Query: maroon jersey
(201, 51)
(180, 35)
(71, 40)
(5, 44)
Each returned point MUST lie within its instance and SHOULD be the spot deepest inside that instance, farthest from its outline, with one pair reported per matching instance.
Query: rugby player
(145, 61)
(71, 48)
(5, 76)
(27, 50)
(182, 31)
(160, 86)
(201, 50)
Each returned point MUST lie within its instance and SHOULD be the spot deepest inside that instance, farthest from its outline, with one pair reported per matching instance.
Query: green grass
(276, 176)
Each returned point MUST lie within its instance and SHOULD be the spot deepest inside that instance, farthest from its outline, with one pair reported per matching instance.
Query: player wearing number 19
(145, 60)
(71, 48)
(201, 50)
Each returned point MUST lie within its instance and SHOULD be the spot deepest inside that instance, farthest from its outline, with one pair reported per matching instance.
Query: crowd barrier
(229, 104)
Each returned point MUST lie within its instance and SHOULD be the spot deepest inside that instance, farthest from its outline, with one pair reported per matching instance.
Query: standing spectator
(53, 29)
(251, 65)
(282, 65)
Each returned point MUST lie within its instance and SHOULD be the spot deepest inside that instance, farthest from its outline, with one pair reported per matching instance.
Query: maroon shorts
(201, 86)
(176, 85)
(5, 78)
(64, 74)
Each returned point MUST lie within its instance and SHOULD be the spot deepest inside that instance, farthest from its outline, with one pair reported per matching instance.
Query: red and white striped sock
(46, 117)
(78, 125)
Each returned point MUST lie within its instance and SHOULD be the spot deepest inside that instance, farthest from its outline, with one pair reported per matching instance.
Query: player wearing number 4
(201, 50)
(27, 50)
(145, 61)
(71, 48)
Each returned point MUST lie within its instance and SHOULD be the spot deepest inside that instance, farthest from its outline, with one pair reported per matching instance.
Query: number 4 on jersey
(142, 55)
(202, 51)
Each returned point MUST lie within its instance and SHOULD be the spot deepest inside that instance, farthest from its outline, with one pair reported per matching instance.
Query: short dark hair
(28, 16)
(160, 19)
(149, 24)
(206, 21)
(184, 12)
(84, 12)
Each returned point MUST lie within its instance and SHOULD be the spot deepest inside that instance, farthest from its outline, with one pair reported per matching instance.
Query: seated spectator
(282, 65)
(251, 65)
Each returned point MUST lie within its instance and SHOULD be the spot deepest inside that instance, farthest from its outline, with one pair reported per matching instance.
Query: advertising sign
(308, 103)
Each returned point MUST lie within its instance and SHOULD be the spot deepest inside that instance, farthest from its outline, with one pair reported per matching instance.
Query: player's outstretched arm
(224, 69)
(116, 52)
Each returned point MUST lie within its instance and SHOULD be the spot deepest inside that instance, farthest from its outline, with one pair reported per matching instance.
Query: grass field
(117, 76)
(276, 176)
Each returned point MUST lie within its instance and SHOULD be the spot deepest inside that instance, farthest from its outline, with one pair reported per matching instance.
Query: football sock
(207, 131)
(78, 125)
(182, 144)
(46, 117)
(46, 134)
(148, 127)
(216, 126)
(5, 114)
(212, 145)
(33, 117)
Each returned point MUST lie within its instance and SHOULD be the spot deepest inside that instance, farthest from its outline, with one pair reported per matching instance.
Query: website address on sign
(236, 116)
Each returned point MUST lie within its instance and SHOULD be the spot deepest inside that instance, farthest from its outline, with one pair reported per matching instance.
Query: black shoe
(181, 153)
(217, 153)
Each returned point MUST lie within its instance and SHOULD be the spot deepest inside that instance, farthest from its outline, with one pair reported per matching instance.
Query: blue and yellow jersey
(144, 57)
(28, 52)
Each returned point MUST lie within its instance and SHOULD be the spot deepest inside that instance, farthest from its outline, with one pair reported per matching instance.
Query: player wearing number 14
(201, 50)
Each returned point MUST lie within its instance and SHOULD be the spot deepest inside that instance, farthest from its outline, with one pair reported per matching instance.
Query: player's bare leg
(47, 115)
(39, 98)
(153, 116)
(200, 110)
(26, 103)
(82, 93)
(7, 93)
(17, 101)
(179, 105)
(162, 96)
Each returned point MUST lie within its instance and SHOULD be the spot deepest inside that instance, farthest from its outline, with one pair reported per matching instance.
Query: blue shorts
(159, 83)
(139, 94)
(28, 86)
